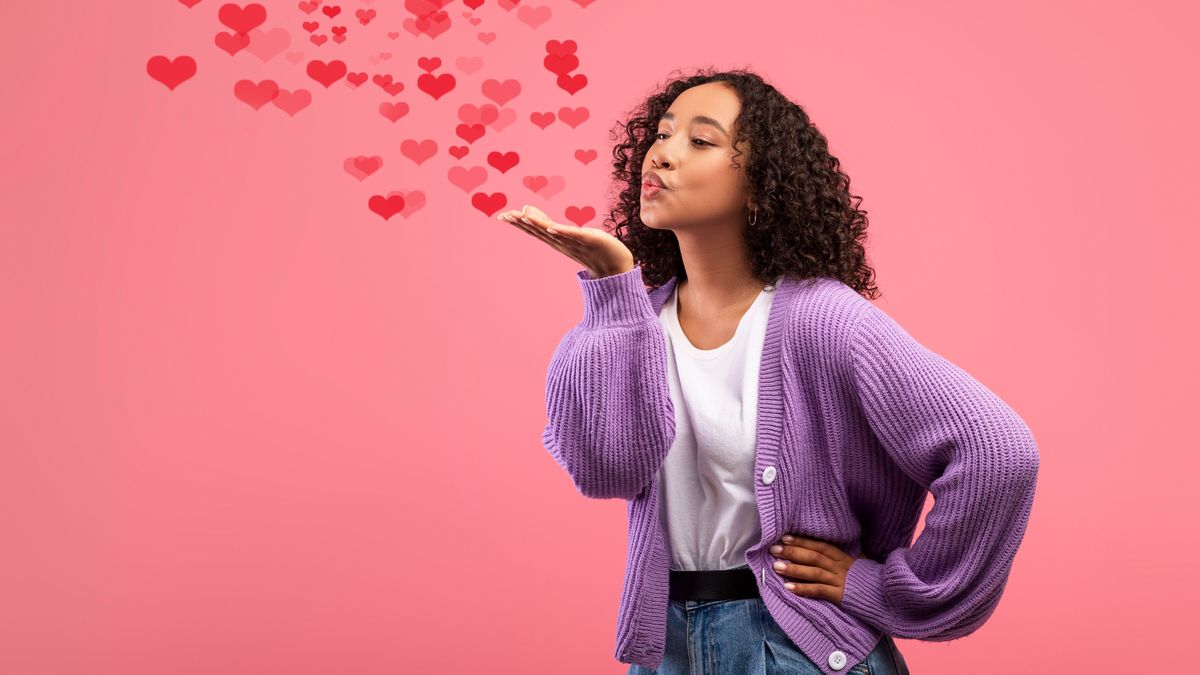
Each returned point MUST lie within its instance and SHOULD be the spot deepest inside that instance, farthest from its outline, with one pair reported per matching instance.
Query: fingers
(826, 549)
(807, 573)
(559, 243)
(533, 220)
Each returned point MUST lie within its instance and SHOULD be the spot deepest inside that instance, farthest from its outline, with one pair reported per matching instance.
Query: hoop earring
(755, 217)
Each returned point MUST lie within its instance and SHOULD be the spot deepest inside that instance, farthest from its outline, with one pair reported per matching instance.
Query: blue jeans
(740, 637)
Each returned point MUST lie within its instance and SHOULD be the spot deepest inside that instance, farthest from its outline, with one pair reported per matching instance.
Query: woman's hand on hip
(814, 568)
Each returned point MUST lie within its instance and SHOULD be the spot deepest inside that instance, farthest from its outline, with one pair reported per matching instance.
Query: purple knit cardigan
(858, 420)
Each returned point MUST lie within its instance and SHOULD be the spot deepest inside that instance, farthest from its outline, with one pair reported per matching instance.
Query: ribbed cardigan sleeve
(974, 453)
(608, 402)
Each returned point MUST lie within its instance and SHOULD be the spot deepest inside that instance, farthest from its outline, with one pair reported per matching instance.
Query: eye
(694, 140)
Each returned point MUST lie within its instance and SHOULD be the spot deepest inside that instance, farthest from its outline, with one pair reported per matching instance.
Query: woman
(755, 357)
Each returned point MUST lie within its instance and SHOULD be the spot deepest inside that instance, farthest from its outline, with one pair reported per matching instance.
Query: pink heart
(418, 151)
(534, 16)
(266, 45)
(501, 92)
(542, 119)
(507, 117)
(467, 179)
(292, 102)
(459, 151)
(255, 94)
(414, 200)
(573, 117)
(535, 183)
(294, 57)
(393, 111)
(585, 156)
(469, 65)
(487, 38)
(484, 114)
(361, 166)
(553, 186)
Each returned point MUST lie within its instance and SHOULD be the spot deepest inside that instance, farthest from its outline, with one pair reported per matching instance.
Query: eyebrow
(700, 119)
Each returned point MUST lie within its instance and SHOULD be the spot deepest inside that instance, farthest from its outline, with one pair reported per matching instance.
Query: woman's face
(693, 155)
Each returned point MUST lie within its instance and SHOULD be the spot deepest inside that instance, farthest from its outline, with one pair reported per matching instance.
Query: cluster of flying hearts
(431, 20)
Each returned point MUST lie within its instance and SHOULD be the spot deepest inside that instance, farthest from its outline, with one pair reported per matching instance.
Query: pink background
(249, 426)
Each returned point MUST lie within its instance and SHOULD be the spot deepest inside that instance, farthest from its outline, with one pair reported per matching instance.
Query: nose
(659, 159)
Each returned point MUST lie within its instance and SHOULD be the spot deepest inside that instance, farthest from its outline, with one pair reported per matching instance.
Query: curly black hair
(806, 225)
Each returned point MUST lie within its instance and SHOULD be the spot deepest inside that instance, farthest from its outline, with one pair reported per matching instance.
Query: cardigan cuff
(862, 595)
(617, 299)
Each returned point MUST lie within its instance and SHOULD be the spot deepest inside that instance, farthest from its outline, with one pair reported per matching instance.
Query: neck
(719, 276)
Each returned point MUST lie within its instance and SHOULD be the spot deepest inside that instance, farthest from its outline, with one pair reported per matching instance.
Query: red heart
(585, 156)
(356, 78)
(308, 7)
(489, 204)
(435, 85)
(331, 11)
(560, 64)
(256, 95)
(579, 216)
(394, 88)
(470, 132)
(572, 83)
(318, 40)
(503, 161)
(473, 4)
(242, 19)
(365, 16)
(189, 3)
(386, 206)
(561, 48)
(433, 24)
(310, 26)
(362, 166)
(429, 65)
(326, 73)
(232, 42)
(338, 31)
(459, 151)
(542, 119)
(171, 72)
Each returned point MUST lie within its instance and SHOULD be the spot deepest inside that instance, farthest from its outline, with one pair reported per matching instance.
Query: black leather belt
(732, 584)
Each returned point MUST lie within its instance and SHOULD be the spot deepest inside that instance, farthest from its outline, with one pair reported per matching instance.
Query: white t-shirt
(706, 483)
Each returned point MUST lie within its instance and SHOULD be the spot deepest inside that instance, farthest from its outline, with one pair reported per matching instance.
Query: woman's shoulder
(822, 312)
